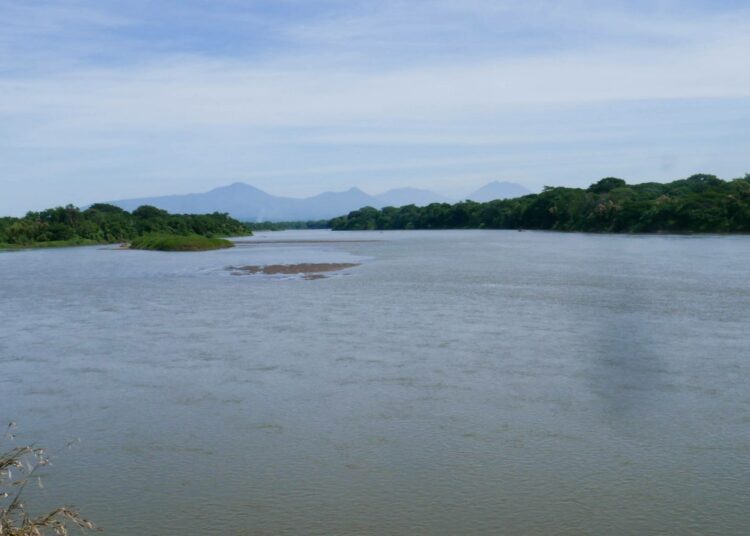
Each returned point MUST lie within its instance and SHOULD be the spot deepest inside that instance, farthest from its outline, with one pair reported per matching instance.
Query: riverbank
(154, 243)
(700, 204)
(53, 244)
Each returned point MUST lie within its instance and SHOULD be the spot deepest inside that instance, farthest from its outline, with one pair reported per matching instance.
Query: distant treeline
(102, 223)
(699, 204)
(285, 225)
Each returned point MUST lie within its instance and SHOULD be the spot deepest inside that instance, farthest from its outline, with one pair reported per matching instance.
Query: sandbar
(309, 270)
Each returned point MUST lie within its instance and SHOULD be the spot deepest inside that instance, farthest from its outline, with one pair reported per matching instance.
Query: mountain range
(248, 203)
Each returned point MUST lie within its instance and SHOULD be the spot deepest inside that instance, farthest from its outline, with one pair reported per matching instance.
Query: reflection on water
(627, 371)
(461, 382)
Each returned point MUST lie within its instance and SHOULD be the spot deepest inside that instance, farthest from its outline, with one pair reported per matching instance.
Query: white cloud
(348, 80)
(194, 92)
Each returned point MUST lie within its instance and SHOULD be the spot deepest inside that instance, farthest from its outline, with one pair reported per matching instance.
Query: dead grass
(18, 467)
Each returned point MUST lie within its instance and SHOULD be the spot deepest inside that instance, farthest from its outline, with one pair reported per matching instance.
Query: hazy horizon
(123, 100)
(468, 191)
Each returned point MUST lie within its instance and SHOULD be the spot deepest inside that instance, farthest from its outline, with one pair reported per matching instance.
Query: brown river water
(446, 382)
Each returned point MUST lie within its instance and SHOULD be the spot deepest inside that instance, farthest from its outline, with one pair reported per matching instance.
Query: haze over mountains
(246, 202)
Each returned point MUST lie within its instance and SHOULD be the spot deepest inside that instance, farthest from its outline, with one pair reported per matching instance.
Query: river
(454, 382)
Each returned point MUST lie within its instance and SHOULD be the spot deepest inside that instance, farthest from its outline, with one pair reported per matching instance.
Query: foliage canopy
(102, 223)
(698, 204)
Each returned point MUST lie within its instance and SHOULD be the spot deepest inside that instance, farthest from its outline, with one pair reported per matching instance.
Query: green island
(699, 204)
(146, 227)
(193, 242)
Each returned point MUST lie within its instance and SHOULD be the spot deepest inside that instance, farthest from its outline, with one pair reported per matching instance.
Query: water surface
(457, 382)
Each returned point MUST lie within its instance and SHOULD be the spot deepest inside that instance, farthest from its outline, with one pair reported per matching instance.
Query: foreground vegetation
(698, 204)
(102, 224)
(161, 242)
(20, 466)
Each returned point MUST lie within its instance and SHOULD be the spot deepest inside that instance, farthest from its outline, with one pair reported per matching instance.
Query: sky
(110, 99)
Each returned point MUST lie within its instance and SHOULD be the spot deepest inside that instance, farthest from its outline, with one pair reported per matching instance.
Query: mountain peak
(236, 186)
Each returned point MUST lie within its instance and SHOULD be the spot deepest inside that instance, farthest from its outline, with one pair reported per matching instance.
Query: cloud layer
(298, 97)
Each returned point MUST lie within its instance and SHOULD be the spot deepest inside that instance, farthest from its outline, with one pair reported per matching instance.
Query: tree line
(103, 223)
(699, 204)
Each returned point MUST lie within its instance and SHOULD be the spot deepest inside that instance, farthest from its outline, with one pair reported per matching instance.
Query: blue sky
(108, 99)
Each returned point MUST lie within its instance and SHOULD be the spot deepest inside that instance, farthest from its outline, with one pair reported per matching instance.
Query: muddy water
(461, 382)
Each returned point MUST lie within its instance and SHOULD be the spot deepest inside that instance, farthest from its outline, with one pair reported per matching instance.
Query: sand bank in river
(307, 270)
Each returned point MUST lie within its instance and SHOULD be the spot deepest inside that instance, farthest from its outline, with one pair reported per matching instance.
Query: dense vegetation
(161, 242)
(103, 223)
(285, 225)
(701, 204)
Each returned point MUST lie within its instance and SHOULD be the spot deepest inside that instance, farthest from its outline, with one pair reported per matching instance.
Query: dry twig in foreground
(18, 466)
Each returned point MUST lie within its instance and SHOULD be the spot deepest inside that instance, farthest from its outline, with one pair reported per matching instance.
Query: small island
(192, 242)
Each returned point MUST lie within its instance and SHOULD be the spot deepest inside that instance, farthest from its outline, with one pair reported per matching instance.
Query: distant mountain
(239, 200)
(330, 204)
(399, 197)
(498, 190)
(248, 203)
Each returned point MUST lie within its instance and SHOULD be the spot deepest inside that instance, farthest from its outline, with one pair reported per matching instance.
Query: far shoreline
(242, 241)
